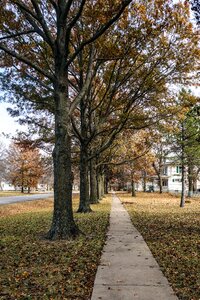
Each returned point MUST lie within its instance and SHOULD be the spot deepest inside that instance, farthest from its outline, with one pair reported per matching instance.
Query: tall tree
(184, 138)
(36, 37)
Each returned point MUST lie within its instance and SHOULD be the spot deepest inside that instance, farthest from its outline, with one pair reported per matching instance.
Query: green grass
(34, 268)
(173, 235)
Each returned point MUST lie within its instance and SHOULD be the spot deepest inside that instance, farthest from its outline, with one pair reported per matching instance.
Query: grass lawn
(15, 193)
(10, 193)
(34, 268)
(173, 235)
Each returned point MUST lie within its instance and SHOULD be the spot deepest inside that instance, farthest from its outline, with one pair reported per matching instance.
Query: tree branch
(10, 36)
(42, 22)
(26, 61)
(101, 31)
(85, 86)
(77, 16)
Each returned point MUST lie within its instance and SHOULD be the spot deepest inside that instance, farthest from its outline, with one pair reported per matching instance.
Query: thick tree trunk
(100, 186)
(133, 188)
(106, 185)
(63, 225)
(93, 182)
(84, 204)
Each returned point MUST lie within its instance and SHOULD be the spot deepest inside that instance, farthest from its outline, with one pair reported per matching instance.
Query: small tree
(24, 166)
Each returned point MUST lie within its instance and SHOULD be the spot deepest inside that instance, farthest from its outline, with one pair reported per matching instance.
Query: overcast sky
(8, 125)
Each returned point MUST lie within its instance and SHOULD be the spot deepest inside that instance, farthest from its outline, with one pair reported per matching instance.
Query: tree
(161, 151)
(184, 138)
(42, 46)
(2, 163)
(192, 147)
(24, 166)
(129, 85)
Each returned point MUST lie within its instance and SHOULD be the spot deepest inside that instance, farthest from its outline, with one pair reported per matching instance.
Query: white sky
(8, 125)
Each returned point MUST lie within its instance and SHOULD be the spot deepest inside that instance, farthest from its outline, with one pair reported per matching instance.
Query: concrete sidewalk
(128, 270)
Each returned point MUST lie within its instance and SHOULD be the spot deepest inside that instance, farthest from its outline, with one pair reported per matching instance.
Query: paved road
(15, 199)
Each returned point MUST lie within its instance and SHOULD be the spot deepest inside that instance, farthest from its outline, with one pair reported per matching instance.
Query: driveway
(15, 199)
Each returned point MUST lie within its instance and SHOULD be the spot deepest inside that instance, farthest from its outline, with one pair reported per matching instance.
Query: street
(15, 199)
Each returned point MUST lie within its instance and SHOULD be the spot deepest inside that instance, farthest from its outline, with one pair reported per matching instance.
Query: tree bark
(160, 184)
(190, 182)
(100, 186)
(63, 225)
(93, 182)
(133, 188)
(144, 181)
(84, 204)
(106, 181)
(182, 203)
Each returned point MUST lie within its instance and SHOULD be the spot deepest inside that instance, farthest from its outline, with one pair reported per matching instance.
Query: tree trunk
(144, 181)
(100, 186)
(93, 182)
(190, 182)
(106, 185)
(63, 225)
(84, 204)
(195, 185)
(160, 184)
(133, 188)
(182, 204)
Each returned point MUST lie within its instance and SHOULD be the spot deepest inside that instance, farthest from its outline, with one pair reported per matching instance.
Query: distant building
(171, 180)
(41, 187)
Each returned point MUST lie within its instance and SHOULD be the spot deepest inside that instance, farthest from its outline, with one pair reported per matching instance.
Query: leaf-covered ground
(11, 193)
(17, 193)
(173, 235)
(34, 268)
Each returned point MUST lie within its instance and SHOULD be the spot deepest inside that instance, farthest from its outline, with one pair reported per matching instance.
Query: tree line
(81, 73)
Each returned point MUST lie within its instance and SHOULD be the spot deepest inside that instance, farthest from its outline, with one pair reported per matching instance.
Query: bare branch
(10, 36)
(42, 22)
(85, 86)
(77, 16)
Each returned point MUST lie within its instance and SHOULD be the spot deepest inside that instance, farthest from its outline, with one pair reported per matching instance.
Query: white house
(171, 180)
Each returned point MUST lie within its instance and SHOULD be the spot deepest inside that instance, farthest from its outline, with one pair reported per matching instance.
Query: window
(165, 171)
(178, 169)
(176, 180)
(164, 182)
